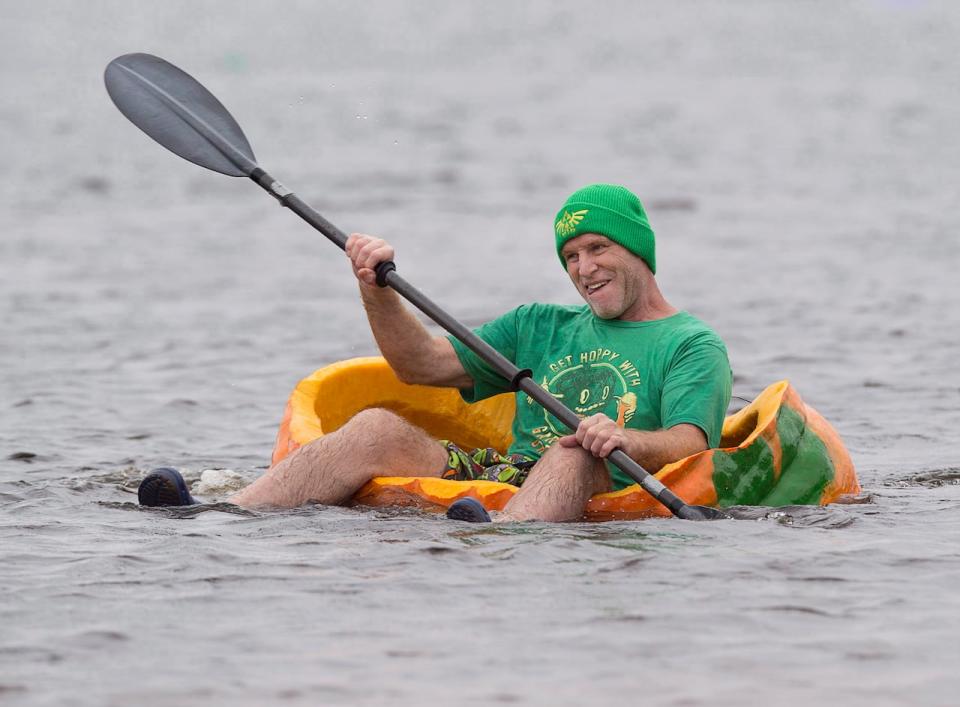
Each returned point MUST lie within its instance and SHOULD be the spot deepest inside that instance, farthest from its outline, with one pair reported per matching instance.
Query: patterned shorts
(485, 465)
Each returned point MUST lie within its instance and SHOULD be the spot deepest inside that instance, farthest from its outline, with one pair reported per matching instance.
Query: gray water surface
(800, 167)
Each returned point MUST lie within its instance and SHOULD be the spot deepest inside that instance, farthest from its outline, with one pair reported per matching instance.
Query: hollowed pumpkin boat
(776, 451)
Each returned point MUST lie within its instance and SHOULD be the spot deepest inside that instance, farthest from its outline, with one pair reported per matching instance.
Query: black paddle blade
(702, 513)
(173, 108)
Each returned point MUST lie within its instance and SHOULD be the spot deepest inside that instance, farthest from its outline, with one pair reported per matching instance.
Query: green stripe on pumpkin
(807, 466)
(745, 476)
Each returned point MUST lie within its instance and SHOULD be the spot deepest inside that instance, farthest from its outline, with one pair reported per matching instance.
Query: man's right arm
(415, 355)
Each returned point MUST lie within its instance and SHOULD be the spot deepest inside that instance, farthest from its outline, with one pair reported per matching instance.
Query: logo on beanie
(567, 224)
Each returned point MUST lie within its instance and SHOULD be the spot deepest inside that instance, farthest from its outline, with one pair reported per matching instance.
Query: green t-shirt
(649, 375)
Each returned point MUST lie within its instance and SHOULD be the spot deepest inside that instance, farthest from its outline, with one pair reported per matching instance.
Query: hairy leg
(558, 487)
(329, 470)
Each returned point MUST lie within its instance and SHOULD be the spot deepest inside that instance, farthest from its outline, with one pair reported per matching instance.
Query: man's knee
(386, 431)
(377, 419)
(372, 425)
(569, 458)
(577, 463)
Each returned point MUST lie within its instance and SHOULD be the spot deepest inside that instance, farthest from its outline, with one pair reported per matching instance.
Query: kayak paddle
(173, 108)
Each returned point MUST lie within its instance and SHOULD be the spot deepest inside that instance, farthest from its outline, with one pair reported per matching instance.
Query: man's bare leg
(331, 469)
(558, 487)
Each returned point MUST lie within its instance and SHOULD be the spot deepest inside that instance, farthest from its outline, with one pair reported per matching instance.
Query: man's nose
(586, 264)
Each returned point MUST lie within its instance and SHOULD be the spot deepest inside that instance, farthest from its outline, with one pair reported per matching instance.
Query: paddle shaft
(519, 379)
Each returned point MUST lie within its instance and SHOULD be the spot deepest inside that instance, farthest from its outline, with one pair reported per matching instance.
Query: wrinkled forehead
(584, 240)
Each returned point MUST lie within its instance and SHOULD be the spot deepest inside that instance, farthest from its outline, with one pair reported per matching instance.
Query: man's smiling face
(608, 276)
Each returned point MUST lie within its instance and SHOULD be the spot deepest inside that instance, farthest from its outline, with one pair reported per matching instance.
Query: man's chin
(603, 312)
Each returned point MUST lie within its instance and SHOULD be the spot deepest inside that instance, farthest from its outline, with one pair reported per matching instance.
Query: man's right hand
(414, 354)
(366, 253)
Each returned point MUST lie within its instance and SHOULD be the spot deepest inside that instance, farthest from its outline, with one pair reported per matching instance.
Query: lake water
(800, 165)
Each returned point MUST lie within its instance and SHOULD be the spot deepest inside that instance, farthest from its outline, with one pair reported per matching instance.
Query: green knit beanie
(612, 211)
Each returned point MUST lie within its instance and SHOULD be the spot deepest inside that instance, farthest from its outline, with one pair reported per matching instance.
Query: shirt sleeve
(697, 388)
(501, 334)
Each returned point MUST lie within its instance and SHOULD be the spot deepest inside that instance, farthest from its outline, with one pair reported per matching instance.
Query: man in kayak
(643, 376)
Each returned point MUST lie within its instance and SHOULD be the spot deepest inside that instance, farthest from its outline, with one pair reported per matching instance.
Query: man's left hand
(598, 434)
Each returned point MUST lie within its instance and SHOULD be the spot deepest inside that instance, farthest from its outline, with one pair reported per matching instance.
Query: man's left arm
(652, 450)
